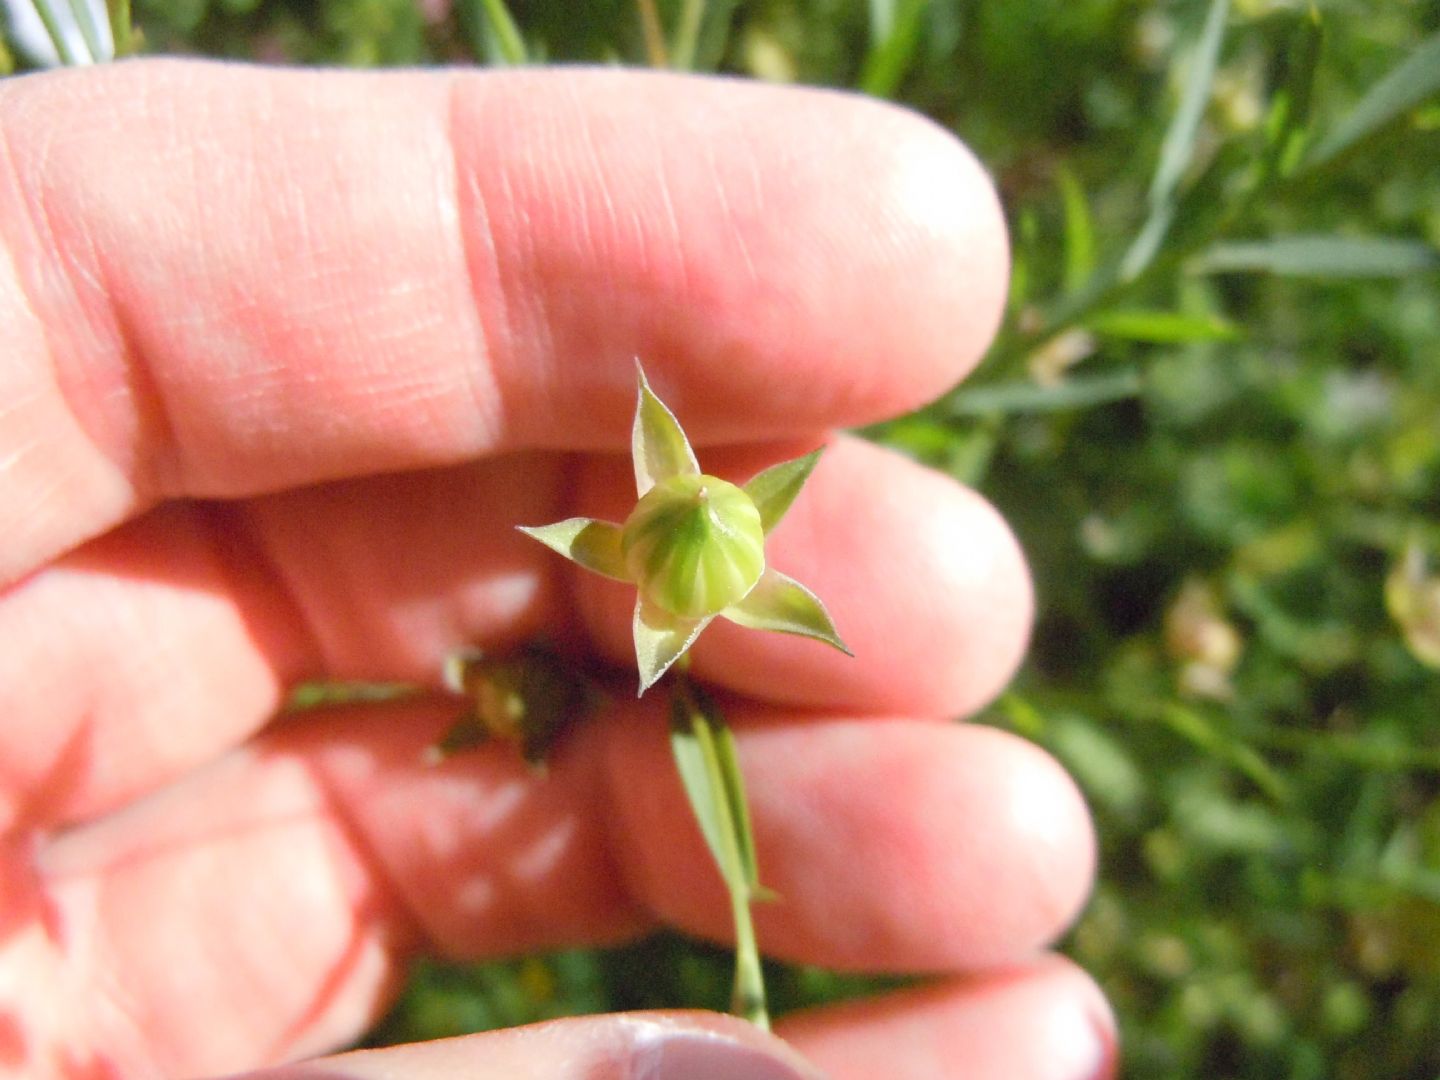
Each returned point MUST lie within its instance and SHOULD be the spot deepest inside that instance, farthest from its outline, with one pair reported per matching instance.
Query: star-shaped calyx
(694, 546)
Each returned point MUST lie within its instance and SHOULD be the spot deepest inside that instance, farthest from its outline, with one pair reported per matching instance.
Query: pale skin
(287, 356)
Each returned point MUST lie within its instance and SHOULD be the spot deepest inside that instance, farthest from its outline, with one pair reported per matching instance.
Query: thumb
(624, 1046)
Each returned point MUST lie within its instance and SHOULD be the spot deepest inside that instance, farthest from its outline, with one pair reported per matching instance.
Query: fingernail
(705, 1055)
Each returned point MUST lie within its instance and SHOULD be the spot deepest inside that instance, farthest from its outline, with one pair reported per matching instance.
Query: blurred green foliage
(1216, 446)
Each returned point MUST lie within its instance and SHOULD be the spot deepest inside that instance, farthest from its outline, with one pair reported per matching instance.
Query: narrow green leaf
(56, 33)
(692, 746)
(1179, 145)
(882, 18)
(1322, 257)
(1195, 726)
(1079, 230)
(889, 57)
(97, 44)
(705, 758)
(1162, 327)
(1290, 111)
(1075, 392)
(593, 544)
(122, 29)
(773, 490)
(658, 443)
(705, 755)
(660, 640)
(509, 45)
(714, 36)
(781, 603)
(1406, 85)
(687, 35)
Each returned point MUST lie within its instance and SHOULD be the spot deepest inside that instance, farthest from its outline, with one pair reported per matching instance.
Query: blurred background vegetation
(1213, 417)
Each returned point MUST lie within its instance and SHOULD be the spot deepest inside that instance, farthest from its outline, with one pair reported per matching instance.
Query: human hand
(288, 355)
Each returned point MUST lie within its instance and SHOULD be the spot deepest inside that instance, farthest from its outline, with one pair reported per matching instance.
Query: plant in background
(1218, 368)
(694, 548)
(49, 33)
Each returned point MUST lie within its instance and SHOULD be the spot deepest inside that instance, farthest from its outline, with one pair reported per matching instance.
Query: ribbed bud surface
(694, 545)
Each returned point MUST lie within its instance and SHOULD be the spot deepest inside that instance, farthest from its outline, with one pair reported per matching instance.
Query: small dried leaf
(781, 603)
(658, 444)
(773, 490)
(593, 544)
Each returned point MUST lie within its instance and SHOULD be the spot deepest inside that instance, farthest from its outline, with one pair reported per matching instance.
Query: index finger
(219, 280)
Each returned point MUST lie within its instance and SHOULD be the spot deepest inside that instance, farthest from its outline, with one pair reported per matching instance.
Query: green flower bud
(694, 545)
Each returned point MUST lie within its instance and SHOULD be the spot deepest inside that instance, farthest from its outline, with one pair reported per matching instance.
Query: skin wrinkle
(464, 209)
(144, 417)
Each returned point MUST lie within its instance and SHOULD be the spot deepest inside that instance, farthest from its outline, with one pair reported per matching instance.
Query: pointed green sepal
(781, 603)
(657, 442)
(593, 544)
(773, 490)
(661, 639)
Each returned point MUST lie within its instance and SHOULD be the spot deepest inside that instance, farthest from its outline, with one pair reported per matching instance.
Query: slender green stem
(747, 999)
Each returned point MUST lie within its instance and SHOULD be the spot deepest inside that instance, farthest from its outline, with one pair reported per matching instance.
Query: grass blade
(86, 21)
(55, 30)
(1413, 80)
(1290, 111)
(509, 45)
(704, 752)
(1078, 392)
(889, 58)
(1079, 231)
(687, 35)
(1162, 327)
(692, 746)
(1322, 257)
(1179, 145)
(122, 30)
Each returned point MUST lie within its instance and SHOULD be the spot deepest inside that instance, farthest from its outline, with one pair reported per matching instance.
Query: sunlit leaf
(1322, 256)
(773, 490)
(506, 43)
(1074, 392)
(693, 747)
(705, 753)
(1179, 145)
(1408, 84)
(658, 443)
(1162, 327)
(593, 544)
(889, 57)
(781, 603)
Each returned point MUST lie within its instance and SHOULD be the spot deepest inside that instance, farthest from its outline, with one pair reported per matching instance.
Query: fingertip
(630, 1046)
(1044, 1020)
